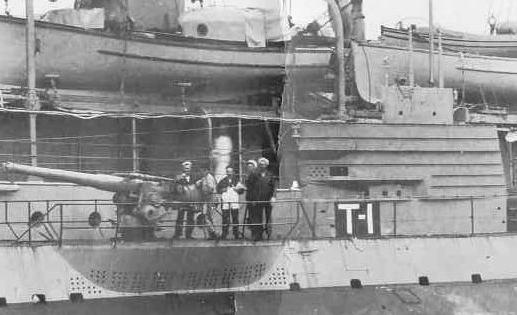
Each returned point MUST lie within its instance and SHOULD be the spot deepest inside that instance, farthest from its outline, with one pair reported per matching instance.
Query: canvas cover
(252, 25)
(85, 18)
(160, 15)
(157, 15)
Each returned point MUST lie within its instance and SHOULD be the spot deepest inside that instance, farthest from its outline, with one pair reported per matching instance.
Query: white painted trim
(369, 217)
(349, 222)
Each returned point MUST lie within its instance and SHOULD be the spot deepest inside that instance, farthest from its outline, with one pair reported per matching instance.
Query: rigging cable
(128, 134)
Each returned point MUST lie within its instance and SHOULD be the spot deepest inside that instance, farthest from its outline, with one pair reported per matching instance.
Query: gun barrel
(99, 181)
(145, 177)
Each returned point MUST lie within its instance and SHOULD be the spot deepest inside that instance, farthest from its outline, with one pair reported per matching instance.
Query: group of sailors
(258, 186)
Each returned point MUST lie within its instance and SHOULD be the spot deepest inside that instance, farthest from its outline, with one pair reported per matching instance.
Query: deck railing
(42, 222)
(56, 222)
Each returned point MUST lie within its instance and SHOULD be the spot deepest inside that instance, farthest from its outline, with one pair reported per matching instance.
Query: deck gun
(142, 200)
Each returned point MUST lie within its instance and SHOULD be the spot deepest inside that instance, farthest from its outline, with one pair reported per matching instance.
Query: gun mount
(140, 203)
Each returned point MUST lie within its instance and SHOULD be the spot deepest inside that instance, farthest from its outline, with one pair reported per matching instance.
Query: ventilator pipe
(411, 65)
(30, 38)
(440, 61)
(431, 45)
(335, 15)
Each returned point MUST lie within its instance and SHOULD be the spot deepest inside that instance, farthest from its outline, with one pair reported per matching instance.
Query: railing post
(312, 225)
(12, 152)
(29, 221)
(6, 209)
(47, 204)
(116, 228)
(394, 218)
(60, 225)
(6, 215)
(472, 215)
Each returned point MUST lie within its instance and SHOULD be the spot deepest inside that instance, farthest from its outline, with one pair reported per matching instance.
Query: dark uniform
(188, 209)
(261, 187)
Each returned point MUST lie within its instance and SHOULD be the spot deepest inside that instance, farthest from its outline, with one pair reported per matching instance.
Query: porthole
(202, 29)
(94, 219)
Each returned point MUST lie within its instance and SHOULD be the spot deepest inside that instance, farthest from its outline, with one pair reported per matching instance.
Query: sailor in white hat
(261, 188)
(186, 174)
(185, 178)
(251, 165)
(263, 162)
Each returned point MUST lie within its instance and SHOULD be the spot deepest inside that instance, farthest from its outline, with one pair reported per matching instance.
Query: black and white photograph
(257, 157)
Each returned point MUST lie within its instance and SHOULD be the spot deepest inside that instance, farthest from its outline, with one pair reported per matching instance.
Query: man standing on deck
(227, 187)
(261, 187)
(251, 166)
(185, 179)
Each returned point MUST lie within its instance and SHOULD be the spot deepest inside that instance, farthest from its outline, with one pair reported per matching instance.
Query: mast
(431, 44)
(32, 99)
(411, 65)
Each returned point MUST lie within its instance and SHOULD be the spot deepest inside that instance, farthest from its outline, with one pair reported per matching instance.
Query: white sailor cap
(186, 163)
(263, 160)
(253, 162)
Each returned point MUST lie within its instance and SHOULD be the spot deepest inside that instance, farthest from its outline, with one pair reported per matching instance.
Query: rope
(142, 116)
(176, 131)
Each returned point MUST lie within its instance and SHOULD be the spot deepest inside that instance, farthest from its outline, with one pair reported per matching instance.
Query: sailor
(261, 187)
(227, 187)
(204, 218)
(251, 166)
(492, 22)
(185, 179)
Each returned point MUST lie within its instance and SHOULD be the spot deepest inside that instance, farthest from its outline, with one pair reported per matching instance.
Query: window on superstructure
(338, 171)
